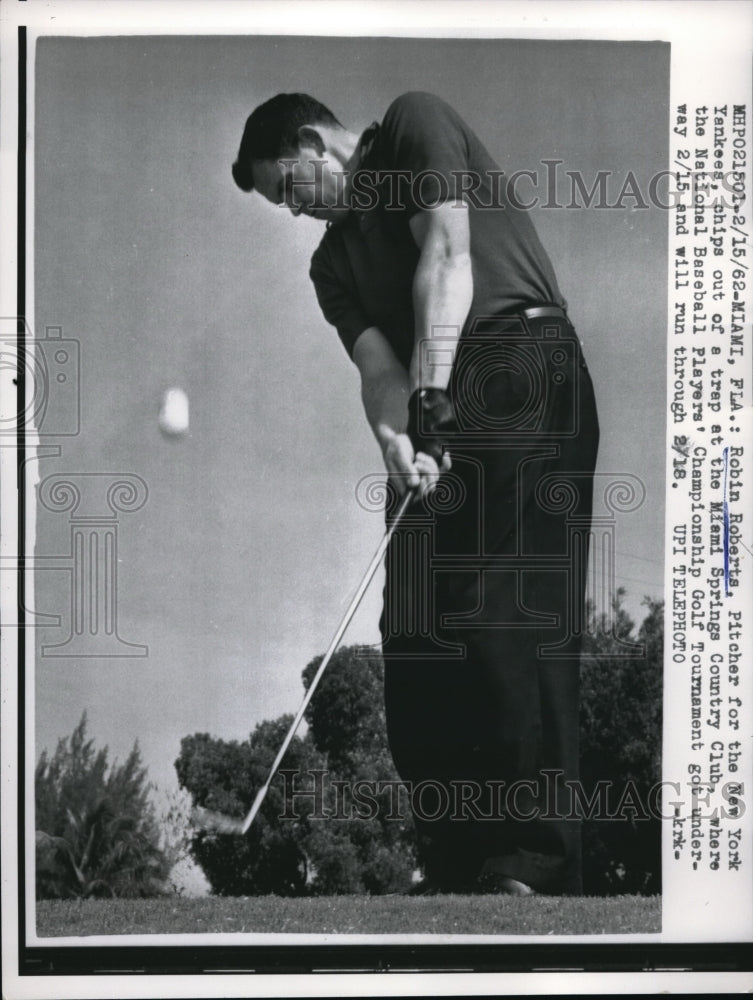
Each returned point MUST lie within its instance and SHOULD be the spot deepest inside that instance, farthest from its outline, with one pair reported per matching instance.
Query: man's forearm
(442, 295)
(385, 402)
(385, 392)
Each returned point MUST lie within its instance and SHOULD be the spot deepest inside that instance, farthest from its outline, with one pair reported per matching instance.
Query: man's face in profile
(307, 181)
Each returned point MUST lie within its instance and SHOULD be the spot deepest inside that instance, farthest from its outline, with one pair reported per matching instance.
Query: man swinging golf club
(474, 383)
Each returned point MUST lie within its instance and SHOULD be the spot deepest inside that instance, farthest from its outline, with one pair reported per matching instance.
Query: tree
(96, 830)
(346, 715)
(373, 850)
(311, 835)
(223, 776)
(621, 726)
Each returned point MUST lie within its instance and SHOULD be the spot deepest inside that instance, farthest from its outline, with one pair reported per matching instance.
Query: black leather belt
(537, 312)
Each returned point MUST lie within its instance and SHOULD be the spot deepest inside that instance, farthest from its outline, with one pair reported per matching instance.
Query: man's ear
(311, 137)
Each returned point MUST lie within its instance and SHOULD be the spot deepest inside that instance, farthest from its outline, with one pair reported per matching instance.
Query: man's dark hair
(272, 131)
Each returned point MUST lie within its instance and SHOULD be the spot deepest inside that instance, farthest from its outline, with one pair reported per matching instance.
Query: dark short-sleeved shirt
(421, 154)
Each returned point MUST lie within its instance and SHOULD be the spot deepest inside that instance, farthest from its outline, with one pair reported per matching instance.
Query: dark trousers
(483, 612)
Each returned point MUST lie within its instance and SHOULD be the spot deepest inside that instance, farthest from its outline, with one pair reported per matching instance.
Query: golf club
(207, 819)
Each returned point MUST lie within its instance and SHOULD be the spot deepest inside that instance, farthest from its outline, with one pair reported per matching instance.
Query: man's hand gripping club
(417, 458)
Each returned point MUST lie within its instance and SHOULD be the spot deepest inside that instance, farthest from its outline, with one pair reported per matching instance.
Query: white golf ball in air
(173, 414)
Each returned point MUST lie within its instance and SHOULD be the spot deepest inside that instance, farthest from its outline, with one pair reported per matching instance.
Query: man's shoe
(496, 884)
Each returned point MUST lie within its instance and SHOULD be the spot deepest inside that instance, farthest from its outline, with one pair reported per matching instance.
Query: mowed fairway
(352, 915)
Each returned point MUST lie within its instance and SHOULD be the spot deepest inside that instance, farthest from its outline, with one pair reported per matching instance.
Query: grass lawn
(352, 915)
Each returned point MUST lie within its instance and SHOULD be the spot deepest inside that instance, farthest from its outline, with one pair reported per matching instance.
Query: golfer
(475, 386)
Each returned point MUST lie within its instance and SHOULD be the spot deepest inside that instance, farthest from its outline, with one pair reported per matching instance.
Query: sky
(238, 566)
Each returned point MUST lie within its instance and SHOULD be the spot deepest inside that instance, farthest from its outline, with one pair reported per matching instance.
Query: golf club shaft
(373, 566)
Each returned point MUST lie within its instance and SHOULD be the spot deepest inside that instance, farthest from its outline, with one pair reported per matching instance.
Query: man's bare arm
(384, 392)
(384, 385)
(442, 291)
